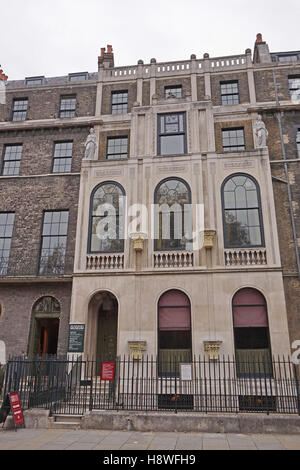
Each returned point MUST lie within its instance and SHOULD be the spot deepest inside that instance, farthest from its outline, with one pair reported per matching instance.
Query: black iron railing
(73, 386)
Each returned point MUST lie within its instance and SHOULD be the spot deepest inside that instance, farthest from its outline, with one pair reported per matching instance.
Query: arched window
(174, 331)
(173, 215)
(107, 219)
(251, 331)
(44, 327)
(243, 226)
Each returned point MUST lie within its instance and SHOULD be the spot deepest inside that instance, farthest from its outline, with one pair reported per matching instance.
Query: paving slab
(189, 442)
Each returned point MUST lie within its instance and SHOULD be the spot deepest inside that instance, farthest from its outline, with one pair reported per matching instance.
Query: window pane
(53, 246)
(172, 145)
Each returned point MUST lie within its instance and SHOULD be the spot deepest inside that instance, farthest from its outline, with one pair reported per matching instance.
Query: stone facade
(136, 279)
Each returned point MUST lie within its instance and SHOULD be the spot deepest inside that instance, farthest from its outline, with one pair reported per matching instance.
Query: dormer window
(78, 77)
(35, 80)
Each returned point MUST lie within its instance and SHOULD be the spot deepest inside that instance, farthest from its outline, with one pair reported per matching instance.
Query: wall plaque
(239, 165)
(186, 372)
(172, 169)
(111, 172)
(76, 338)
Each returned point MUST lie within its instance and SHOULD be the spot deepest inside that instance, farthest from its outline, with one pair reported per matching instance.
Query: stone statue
(261, 133)
(91, 146)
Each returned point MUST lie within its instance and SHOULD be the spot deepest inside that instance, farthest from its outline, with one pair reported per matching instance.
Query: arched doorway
(103, 326)
(44, 327)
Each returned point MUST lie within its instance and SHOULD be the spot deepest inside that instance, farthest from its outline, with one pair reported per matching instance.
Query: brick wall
(242, 84)
(103, 141)
(17, 301)
(185, 82)
(38, 147)
(108, 89)
(44, 103)
(248, 132)
(28, 198)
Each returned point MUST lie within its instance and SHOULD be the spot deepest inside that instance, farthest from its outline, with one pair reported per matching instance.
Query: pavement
(37, 439)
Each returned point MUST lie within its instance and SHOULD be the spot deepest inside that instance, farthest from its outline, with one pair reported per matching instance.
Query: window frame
(78, 77)
(156, 220)
(42, 238)
(297, 139)
(114, 105)
(67, 97)
(160, 372)
(57, 158)
(4, 161)
(259, 208)
(265, 305)
(19, 111)
(294, 77)
(161, 116)
(91, 216)
(231, 146)
(6, 238)
(111, 138)
(230, 82)
(172, 87)
(35, 81)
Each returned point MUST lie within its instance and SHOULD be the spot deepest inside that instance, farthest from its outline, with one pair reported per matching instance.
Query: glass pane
(172, 145)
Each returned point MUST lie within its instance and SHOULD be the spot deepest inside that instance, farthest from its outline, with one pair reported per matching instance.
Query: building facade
(198, 161)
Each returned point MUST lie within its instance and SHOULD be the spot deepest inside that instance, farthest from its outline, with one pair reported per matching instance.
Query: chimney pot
(102, 51)
(109, 49)
(259, 37)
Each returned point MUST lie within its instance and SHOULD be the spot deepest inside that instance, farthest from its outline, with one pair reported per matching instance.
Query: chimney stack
(261, 51)
(3, 77)
(106, 58)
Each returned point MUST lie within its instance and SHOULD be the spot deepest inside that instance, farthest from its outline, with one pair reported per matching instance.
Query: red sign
(16, 408)
(108, 371)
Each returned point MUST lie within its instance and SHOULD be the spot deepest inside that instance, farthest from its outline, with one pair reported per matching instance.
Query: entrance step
(64, 421)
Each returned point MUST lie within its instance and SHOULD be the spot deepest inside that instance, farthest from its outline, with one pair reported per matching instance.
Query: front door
(107, 333)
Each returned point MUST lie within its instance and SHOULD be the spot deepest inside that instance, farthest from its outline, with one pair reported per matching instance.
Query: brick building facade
(48, 194)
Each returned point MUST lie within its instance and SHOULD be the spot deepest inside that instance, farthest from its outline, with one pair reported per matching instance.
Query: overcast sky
(57, 37)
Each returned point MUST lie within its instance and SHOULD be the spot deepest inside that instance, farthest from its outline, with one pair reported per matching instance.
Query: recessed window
(242, 213)
(171, 134)
(6, 230)
(172, 217)
(20, 107)
(77, 77)
(35, 80)
(298, 142)
(174, 332)
(173, 91)
(233, 140)
(294, 85)
(107, 219)
(54, 242)
(12, 159)
(230, 93)
(117, 148)
(67, 106)
(119, 102)
(62, 159)
(251, 333)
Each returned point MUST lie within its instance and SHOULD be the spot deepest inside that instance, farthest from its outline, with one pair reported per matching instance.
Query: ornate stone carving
(138, 239)
(136, 349)
(261, 133)
(91, 146)
(212, 348)
(208, 241)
